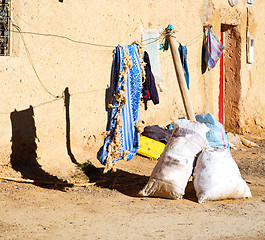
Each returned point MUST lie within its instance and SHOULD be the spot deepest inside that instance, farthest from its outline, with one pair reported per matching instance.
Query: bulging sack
(216, 176)
(174, 168)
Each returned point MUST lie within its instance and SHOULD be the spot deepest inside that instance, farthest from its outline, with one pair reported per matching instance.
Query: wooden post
(180, 75)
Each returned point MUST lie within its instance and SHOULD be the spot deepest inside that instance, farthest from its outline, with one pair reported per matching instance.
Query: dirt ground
(112, 210)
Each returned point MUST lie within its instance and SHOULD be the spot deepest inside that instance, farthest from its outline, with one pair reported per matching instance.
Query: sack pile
(216, 174)
(174, 168)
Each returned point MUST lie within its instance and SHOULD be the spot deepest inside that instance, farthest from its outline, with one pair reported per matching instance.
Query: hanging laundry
(183, 57)
(164, 45)
(149, 90)
(214, 49)
(122, 140)
(150, 39)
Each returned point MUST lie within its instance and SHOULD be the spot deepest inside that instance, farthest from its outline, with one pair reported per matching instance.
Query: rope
(64, 37)
(193, 40)
(161, 37)
(56, 99)
(82, 42)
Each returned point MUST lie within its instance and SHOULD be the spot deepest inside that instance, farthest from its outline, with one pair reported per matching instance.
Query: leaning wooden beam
(180, 74)
(48, 183)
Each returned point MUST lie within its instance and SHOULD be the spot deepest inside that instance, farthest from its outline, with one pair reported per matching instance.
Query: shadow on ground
(190, 193)
(124, 182)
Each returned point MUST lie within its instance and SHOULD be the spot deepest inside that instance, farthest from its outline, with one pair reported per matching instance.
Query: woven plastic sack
(174, 168)
(216, 176)
(216, 136)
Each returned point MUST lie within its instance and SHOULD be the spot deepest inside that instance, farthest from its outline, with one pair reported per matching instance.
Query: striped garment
(214, 50)
(130, 113)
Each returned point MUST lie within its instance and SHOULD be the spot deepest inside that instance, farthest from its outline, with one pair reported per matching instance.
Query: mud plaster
(232, 78)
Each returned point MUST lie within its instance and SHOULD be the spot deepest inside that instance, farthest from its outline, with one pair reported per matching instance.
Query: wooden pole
(46, 182)
(180, 75)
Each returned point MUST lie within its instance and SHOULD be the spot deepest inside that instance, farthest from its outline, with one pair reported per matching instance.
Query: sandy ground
(112, 210)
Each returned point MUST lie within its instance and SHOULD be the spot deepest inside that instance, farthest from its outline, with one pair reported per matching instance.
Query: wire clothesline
(18, 30)
(64, 37)
(161, 37)
(56, 99)
(79, 42)
(96, 44)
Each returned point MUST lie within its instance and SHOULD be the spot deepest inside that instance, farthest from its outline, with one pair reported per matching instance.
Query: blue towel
(130, 113)
(183, 57)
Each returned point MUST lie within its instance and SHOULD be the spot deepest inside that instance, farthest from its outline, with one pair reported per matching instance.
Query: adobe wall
(251, 103)
(85, 69)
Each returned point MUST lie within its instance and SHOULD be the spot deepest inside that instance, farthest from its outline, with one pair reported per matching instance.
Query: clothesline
(89, 43)
(79, 42)
(55, 96)
(56, 99)
(94, 44)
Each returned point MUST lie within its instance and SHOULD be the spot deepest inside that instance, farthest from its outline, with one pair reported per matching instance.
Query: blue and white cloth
(130, 113)
(214, 49)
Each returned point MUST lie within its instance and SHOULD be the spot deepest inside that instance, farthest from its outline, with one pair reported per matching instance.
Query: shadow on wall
(67, 118)
(24, 155)
(108, 99)
(203, 57)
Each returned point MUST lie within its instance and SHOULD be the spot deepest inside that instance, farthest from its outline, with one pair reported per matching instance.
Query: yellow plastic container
(150, 147)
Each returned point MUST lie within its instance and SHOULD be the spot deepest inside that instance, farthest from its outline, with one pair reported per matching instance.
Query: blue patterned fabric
(130, 113)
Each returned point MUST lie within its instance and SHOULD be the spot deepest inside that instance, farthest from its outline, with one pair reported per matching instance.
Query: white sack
(216, 176)
(174, 168)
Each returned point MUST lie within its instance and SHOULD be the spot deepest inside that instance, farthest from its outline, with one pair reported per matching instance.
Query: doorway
(230, 81)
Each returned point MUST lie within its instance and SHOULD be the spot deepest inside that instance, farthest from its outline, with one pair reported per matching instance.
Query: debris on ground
(240, 142)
